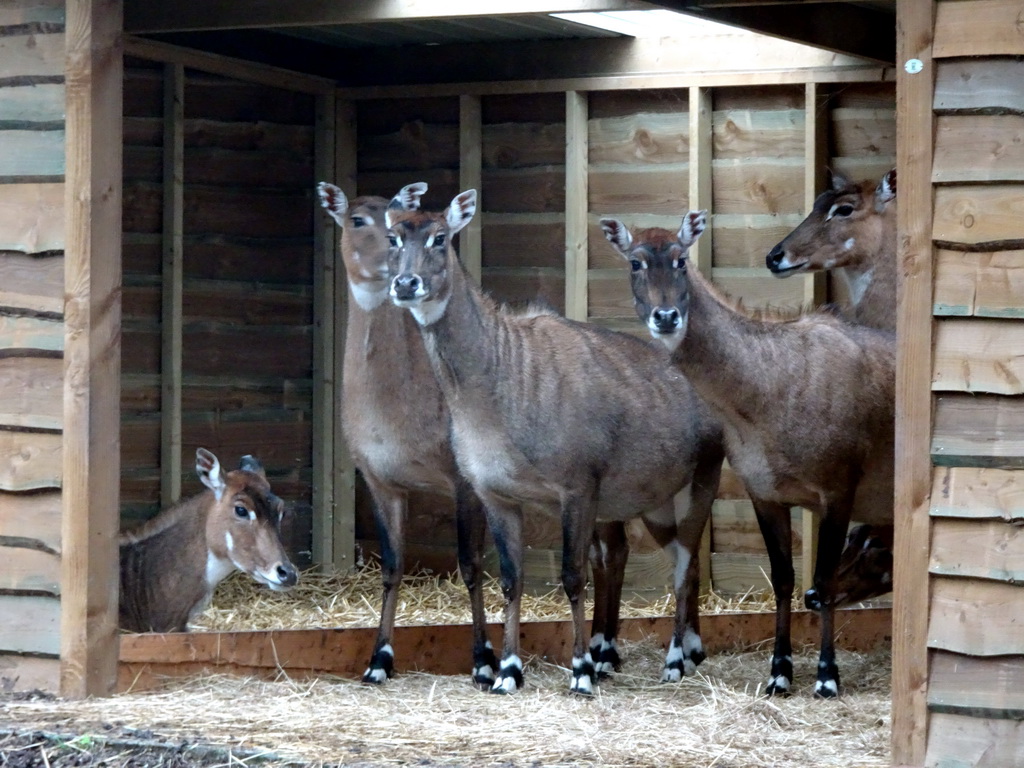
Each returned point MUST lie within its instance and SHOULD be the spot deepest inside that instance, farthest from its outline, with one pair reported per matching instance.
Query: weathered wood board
(975, 617)
(32, 217)
(974, 742)
(978, 28)
(978, 148)
(979, 493)
(985, 284)
(980, 549)
(975, 215)
(30, 624)
(969, 685)
(973, 355)
(978, 431)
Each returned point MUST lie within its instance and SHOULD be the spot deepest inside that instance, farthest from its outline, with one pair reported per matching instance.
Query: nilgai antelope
(395, 420)
(170, 566)
(807, 408)
(584, 423)
(851, 229)
(865, 569)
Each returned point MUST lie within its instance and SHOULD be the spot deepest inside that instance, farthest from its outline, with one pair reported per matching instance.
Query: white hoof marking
(375, 675)
(826, 686)
(780, 683)
(671, 675)
(505, 685)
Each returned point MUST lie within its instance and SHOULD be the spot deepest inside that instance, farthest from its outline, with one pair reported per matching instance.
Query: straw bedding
(714, 719)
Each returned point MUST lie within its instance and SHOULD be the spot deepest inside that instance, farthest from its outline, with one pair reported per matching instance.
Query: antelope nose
(774, 257)
(287, 574)
(666, 319)
(404, 287)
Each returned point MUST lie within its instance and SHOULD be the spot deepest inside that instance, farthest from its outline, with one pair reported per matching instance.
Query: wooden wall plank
(33, 392)
(758, 185)
(914, 129)
(31, 55)
(741, 134)
(29, 570)
(973, 686)
(701, 195)
(988, 83)
(32, 516)
(31, 217)
(91, 462)
(470, 177)
(980, 549)
(640, 138)
(979, 214)
(973, 492)
(979, 148)
(978, 431)
(978, 356)
(521, 145)
(32, 153)
(29, 460)
(743, 240)
(37, 10)
(30, 624)
(39, 103)
(27, 673)
(525, 240)
(973, 742)
(984, 284)
(971, 616)
(978, 28)
(19, 332)
(578, 190)
(32, 283)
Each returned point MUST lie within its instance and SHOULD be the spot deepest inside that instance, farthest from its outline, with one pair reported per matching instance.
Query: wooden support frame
(914, 325)
(91, 452)
(172, 279)
(701, 151)
(471, 177)
(576, 206)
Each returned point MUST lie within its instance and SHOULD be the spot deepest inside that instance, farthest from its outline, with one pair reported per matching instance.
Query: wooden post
(815, 164)
(91, 451)
(171, 289)
(576, 245)
(914, 325)
(325, 238)
(471, 177)
(343, 530)
(701, 148)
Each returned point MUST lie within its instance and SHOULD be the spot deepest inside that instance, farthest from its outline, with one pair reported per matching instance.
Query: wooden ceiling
(386, 42)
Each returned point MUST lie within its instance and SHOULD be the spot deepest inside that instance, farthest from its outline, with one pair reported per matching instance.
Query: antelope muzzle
(407, 287)
(665, 319)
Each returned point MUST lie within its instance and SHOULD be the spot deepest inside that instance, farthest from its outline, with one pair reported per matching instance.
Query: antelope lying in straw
(395, 420)
(851, 229)
(584, 423)
(170, 566)
(807, 408)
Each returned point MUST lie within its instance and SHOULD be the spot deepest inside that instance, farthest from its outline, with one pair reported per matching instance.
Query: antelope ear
(837, 181)
(461, 211)
(250, 463)
(333, 200)
(618, 235)
(694, 224)
(408, 197)
(886, 189)
(208, 469)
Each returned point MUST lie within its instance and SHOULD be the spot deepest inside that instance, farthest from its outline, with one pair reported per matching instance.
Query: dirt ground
(717, 719)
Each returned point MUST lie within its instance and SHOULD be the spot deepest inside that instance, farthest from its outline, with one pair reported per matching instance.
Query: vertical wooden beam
(576, 205)
(701, 149)
(171, 290)
(325, 237)
(815, 165)
(471, 177)
(915, 83)
(91, 451)
(343, 532)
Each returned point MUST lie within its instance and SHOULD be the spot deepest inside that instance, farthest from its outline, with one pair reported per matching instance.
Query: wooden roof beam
(145, 16)
(835, 26)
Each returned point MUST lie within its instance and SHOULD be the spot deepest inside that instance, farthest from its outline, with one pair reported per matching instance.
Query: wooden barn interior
(170, 281)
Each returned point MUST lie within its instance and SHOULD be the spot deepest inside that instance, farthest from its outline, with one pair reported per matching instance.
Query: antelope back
(243, 521)
(659, 263)
(364, 238)
(850, 224)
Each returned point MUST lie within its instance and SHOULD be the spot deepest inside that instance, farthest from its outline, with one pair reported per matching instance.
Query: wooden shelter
(168, 280)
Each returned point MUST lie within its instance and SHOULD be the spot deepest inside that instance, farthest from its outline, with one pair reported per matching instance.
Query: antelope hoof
(484, 664)
(583, 675)
(778, 686)
(682, 659)
(607, 658)
(510, 679)
(381, 667)
(826, 689)
(812, 600)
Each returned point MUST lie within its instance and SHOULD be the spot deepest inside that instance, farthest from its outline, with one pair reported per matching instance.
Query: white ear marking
(461, 210)
(208, 469)
(618, 235)
(693, 225)
(333, 201)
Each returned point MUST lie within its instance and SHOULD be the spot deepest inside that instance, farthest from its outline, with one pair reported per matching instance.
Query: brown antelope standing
(851, 229)
(395, 420)
(807, 408)
(170, 566)
(584, 423)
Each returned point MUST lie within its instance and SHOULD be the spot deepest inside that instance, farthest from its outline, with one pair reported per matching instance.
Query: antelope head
(422, 258)
(659, 263)
(865, 568)
(243, 523)
(848, 224)
(364, 238)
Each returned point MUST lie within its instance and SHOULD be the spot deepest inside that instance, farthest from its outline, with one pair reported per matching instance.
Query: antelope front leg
(776, 527)
(608, 555)
(389, 510)
(831, 536)
(578, 520)
(506, 522)
(471, 520)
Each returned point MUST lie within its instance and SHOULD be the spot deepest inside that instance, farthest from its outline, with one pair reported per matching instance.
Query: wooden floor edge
(445, 649)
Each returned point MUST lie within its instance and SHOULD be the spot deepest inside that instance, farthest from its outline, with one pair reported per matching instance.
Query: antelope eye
(636, 265)
(241, 511)
(357, 222)
(439, 239)
(843, 210)
(393, 240)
